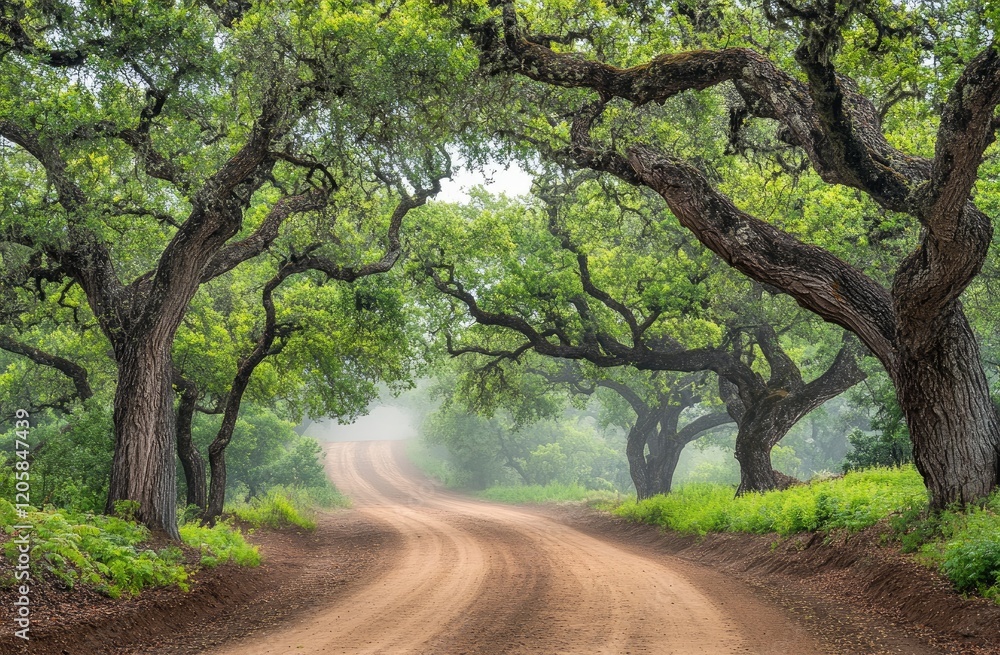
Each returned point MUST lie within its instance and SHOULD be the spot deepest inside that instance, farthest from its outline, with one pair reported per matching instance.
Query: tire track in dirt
(476, 577)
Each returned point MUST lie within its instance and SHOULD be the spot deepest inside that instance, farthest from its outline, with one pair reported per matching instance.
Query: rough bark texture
(951, 416)
(143, 467)
(663, 457)
(655, 431)
(191, 460)
(765, 413)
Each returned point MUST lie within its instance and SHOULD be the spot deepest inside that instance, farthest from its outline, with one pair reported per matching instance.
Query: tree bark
(635, 452)
(953, 425)
(143, 468)
(754, 442)
(191, 460)
(664, 453)
(653, 474)
(217, 465)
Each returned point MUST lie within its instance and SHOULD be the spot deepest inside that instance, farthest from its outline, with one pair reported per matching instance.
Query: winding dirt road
(476, 577)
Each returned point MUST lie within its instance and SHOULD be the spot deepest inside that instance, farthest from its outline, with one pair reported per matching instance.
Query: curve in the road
(476, 577)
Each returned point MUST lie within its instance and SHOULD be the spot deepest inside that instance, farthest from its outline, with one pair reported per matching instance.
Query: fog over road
(476, 577)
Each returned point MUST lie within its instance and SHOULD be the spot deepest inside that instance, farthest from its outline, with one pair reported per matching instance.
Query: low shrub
(104, 552)
(287, 506)
(553, 492)
(965, 545)
(855, 501)
(220, 543)
(109, 554)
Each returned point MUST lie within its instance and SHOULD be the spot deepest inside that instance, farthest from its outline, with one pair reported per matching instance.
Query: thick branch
(640, 406)
(693, 430)
(967, 128)
(236, 253)
(769, 92)
(784, 372)
(816, 279)
(76, 373)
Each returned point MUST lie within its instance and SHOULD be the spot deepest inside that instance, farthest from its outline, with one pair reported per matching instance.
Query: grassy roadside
(116, 556)
(855, 501)
(550, 493)
(964, 545)
(284, 507)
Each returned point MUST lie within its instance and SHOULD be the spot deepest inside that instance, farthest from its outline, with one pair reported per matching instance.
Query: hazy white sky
(498, 178)
(384, 422)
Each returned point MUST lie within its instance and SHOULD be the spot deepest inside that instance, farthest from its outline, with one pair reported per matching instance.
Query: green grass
(553, 492)
(285, 507)
(220, 543)
(110, 553)
(856, 501)
(964, 545)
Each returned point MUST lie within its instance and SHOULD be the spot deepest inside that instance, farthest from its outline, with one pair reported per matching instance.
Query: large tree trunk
(663, 457)
(760, 430)
(652, 474)
(635, 452)
(946, 400)
(754, 442)
(143, 468)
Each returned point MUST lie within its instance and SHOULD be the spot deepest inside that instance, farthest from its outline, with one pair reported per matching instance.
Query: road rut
(476, 577)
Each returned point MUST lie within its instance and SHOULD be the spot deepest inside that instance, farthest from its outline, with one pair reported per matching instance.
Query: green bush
(101, 551)
(219, 544)
(71, 457)
(287, 506)
(882, 448)
(553, 492)
(107, 553)
(856, 501)
(973, 565)
(964, 545)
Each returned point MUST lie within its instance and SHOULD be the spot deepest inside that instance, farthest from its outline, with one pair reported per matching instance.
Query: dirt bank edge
(858, 570)
(222, 604)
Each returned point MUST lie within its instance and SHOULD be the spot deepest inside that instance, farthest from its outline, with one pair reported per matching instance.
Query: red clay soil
(300, 569)
(847, 587)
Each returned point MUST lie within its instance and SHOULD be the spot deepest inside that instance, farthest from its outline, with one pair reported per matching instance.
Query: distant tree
(656, 437)
(877, 449)
(521, 426)
(578, 278)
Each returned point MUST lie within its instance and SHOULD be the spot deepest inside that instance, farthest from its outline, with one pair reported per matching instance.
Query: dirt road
(483, 578)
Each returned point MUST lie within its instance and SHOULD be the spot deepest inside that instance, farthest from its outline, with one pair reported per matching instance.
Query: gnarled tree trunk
(753, 451)
(664, 453)
(143, 468)
(635, 452)
(946, 401)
